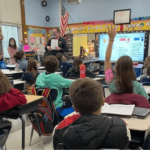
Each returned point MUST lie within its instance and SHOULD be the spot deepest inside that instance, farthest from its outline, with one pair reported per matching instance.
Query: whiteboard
(9, 32)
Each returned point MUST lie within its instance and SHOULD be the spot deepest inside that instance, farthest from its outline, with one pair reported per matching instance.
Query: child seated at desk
(146, 63)
(50, 79)
(75, 71)
(2, 63)
(125, 79)
(88, 129)
(63, 66)
(145, 79)
(31, 74)
(20, 59)
(9, 97)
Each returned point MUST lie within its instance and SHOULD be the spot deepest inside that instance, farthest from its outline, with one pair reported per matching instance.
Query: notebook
(118, 109)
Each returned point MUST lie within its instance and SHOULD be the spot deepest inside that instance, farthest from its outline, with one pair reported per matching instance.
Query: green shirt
(137, 88)
(53, 81)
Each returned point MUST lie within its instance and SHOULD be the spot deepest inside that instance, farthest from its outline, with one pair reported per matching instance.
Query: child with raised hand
(125, 79)
(88, 129)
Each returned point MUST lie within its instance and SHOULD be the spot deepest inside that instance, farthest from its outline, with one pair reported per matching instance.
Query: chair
(51, 95)
(5, 127)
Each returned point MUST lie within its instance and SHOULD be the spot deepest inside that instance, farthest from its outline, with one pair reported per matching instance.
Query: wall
(10, 14)
(88, 10)
(35, 13)
(91, 10)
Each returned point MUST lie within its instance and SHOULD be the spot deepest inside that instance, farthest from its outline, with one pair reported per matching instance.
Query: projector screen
(131, 44)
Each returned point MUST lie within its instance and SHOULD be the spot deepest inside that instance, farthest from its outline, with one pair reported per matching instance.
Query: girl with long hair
(125, 80)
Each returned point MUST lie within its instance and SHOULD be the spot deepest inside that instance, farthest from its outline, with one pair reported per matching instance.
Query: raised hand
(111, 32)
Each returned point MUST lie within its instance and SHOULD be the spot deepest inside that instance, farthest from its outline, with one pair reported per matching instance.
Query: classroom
(74, 74)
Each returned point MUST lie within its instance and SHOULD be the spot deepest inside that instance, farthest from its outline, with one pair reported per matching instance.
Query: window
(9, 32)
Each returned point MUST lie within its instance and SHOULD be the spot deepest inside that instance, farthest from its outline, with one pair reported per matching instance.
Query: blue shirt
(64, 67)
(23, 64)
(2, 64)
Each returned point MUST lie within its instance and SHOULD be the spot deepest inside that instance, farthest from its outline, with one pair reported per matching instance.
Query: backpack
(43, 117)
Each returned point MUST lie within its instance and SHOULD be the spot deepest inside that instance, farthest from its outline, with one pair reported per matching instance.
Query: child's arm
(63, 83)
(112, 34)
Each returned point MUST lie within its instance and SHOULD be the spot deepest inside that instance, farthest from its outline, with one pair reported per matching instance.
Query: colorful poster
(32, 39)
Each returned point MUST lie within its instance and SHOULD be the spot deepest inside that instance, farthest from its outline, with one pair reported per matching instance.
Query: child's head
(86, 96)
(12, 43)
(32, 65)
(76, 63)
(51, 64)
(5, 85)
(147, 61)
(59, 56)
(19, 55)
(124, 75)
(148, 70)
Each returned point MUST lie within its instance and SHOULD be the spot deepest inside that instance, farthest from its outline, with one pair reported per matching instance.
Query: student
(145, 79)
(146, 63)
(20, 59)
(88, 129)
(2, 63)
(12, 49)
(75, 71)
(9, 97)
(50, 79)
(125, 79)
(129, 99)
(20, 48)
(64, 67)
(31, 74)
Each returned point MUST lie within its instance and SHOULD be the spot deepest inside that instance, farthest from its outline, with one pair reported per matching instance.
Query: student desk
(18, 111)
(139, 129)
(13, 73)
(147, 89)
(18, 84)
(11, 67)
(41, 68)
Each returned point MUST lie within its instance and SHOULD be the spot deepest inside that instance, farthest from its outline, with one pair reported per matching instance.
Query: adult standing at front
(62, 45)
(12, 49)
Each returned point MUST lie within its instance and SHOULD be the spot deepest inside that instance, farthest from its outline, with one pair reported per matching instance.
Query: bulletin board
(37, 39)
(79, 40)
(139, 25)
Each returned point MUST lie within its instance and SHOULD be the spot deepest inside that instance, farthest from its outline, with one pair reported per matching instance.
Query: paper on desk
(118, 109)
(147, 89)
(54, 43)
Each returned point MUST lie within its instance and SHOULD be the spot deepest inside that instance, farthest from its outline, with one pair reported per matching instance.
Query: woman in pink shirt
(12, 49)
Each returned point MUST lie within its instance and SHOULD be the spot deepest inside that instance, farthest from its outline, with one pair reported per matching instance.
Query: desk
(96, 79)
(139, 129)
(32, 105)
(18, 84)
(14, 74)
(138, 79)
(11, 67)
(147, 89)
(41, 68)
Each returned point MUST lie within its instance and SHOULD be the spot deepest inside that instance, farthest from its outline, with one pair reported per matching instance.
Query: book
(118, 109)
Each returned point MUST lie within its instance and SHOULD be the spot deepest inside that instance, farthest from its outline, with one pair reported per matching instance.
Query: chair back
(5, 127)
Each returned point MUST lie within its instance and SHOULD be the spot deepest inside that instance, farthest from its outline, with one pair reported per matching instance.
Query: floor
(15, 138)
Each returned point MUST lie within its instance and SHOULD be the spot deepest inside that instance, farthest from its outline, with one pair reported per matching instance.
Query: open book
(118, 109)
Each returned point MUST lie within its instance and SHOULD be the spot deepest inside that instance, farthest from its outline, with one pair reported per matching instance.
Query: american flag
(64, 20)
